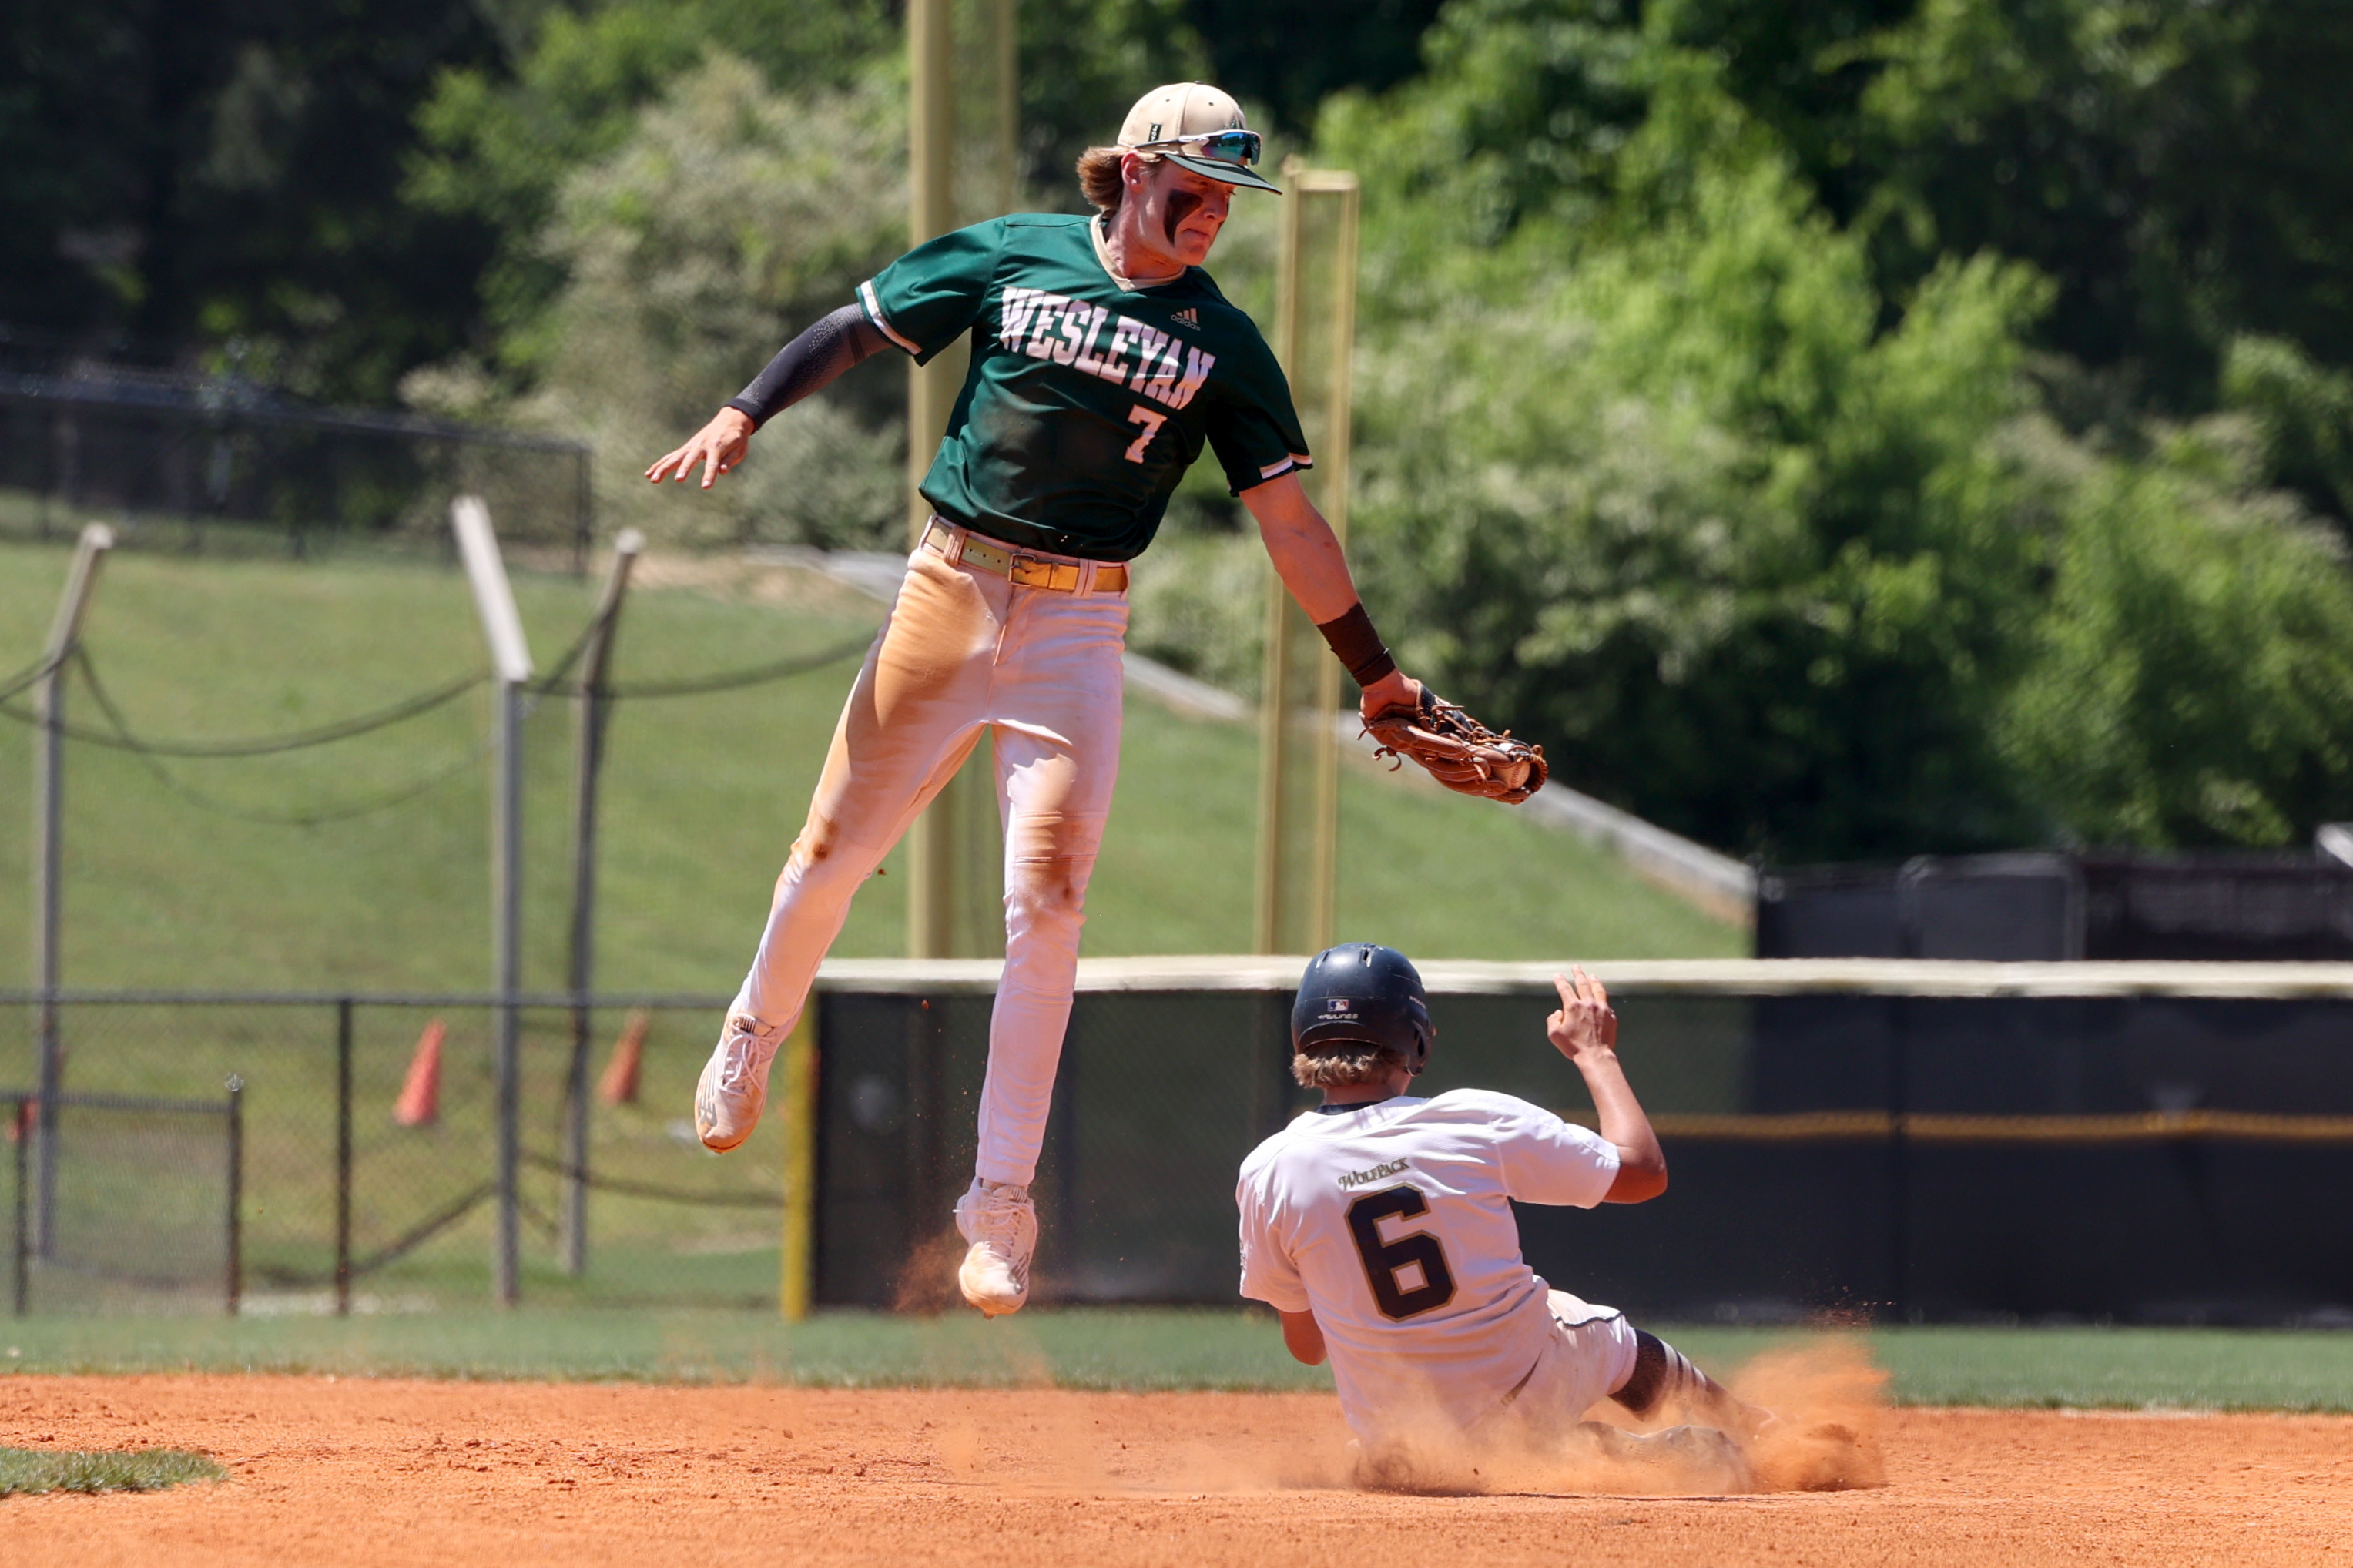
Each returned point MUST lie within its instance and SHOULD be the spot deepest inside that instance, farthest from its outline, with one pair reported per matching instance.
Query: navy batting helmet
(1362, 992)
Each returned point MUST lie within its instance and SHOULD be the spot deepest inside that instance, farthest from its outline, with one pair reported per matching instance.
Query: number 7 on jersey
(1152, 422)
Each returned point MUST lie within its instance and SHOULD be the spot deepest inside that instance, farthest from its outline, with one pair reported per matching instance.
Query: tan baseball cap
(1195, 127)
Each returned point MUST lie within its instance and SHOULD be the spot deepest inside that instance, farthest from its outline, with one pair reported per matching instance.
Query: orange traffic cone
(419, 1104)
(619, 1084)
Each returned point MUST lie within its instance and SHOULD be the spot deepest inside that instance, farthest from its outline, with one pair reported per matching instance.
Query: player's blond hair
(1099, 179)
(1345, 1066)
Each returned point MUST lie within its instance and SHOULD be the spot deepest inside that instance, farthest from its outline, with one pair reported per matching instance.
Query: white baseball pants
(1589, 1358)
(963, 651)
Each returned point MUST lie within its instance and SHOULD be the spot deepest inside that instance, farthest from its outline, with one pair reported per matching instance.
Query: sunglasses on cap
(1241, 147)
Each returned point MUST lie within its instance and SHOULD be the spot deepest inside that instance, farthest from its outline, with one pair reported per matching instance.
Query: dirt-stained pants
(963, 651)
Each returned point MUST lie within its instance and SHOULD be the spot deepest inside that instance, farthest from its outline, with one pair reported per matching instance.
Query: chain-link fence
(217, 464)
(367, 1132)
(123, 1203)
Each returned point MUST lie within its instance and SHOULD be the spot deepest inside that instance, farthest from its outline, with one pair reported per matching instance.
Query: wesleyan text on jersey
(1138, 357)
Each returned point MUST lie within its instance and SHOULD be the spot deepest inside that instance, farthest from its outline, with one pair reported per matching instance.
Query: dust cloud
(1825, 1398)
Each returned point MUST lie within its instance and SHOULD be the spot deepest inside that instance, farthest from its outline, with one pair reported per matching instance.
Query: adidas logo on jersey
(1188, 317)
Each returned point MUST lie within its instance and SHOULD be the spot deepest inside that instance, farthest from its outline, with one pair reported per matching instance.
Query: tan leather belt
(1022, 568)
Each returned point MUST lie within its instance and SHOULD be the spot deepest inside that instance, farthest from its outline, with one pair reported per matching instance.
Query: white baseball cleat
(1694, 1458)
(1001, 1223)
(735, 1087)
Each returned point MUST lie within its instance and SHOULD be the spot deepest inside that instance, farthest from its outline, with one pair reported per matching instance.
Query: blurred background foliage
(1835, 428)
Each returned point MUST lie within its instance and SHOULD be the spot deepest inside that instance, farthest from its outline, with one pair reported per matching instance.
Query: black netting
(2212, 907)
(1948, 1157)
(191, 467)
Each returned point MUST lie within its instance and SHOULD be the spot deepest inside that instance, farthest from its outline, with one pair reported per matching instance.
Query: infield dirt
(372, 1471)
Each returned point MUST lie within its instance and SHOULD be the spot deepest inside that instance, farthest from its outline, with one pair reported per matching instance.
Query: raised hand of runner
(719, 446)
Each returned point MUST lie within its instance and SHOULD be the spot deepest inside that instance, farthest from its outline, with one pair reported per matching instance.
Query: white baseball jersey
(1391, 1223)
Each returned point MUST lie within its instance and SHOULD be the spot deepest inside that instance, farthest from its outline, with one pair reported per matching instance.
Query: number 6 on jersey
(1384, 1260)
(1151, 421)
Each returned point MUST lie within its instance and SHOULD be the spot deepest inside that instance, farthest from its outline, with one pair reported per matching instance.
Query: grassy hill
(172, 880)
(187, 873)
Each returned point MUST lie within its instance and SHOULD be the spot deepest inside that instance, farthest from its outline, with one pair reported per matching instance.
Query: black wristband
(1359, 646)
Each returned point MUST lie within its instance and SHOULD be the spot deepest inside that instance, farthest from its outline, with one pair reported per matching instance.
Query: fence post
(927, 1195)
(584, 515)
(511, 655)
(1908, 882)
(800, 1069)
(48, 855)
(1899, 1158)
(344, 1158)
(21, 1260)
(236, 1192)
(594, 706)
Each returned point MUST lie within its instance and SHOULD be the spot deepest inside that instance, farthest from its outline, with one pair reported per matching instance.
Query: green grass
(168, 884)
(1145, 1348)
(2097, 1368)
(703, 796)
(29, 1471)
(1097, 1348)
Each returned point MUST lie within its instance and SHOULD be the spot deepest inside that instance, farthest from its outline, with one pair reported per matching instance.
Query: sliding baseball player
(1379, 1226)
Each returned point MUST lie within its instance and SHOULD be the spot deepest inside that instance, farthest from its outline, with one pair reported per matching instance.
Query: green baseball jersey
(1086, 402)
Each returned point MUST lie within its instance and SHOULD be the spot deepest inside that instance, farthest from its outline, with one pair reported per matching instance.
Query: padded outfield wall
(1938, 1140)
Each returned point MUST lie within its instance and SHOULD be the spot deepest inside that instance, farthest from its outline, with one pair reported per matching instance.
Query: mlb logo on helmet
(1337, 1007)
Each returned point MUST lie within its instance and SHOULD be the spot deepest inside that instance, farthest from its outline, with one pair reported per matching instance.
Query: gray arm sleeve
(831, 346)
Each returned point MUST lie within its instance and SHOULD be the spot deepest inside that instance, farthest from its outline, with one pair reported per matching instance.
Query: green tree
(727, 218)
(499, 139)
(1291, 55)
(179, 173)
(2193, 662)
(2175, 169)
(2303, 412)
(1664, 469)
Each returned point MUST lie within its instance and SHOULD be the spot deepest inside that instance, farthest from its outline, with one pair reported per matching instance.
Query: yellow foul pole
(1300, 693)
(953, 876)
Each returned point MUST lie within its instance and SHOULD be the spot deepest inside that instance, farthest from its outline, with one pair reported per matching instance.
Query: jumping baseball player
(1103, 359)
(1379, 1226)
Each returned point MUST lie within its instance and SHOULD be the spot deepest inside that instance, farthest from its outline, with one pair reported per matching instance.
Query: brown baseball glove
(1457, 751)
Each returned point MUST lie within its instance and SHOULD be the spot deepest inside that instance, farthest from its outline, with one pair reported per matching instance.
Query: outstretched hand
(1395, 689)
(719, 446)
(1585, 1024)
